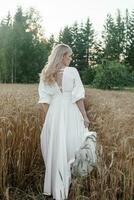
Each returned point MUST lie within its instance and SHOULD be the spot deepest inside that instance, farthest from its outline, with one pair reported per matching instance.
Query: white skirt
(63, 139)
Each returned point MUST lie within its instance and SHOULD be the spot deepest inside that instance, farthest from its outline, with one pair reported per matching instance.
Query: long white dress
(63, 131)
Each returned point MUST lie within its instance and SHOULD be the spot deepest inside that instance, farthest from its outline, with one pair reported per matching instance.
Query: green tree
(23, 48)
(5, 52)
(112, 74)
(30, 47)
(66, 36)
(114, 37)
(83, 40)
(130, 40)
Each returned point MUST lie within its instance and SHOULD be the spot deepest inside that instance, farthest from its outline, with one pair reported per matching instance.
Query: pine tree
(83, 40)
(5, 48)
(114, 37)
(89, 39)
(130, 40)
(65, 36)
(23, 48)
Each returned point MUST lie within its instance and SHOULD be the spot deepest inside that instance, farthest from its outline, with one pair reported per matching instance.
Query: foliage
(111, 74)
(88, 75)
(81, 39)
(129, 53)
(24, 50)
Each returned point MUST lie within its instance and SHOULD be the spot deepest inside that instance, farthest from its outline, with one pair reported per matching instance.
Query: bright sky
(58, 13)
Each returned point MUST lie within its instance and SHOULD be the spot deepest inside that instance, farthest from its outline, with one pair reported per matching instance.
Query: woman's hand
(80, 104)
(86, 122)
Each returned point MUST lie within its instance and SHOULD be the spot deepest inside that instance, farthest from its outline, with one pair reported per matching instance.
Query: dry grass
(21, 165)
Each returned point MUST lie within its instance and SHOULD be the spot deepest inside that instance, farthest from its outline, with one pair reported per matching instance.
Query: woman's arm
(80, 104)
(43, 108)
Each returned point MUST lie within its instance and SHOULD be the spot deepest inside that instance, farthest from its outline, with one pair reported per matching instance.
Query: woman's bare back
(59, 77)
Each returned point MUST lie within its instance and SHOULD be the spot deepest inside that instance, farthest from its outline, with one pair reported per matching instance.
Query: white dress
(63, 131)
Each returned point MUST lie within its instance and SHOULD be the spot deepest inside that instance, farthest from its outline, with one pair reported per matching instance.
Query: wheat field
(21, 165)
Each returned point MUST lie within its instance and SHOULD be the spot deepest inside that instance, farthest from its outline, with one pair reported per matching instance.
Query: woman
(61, 93)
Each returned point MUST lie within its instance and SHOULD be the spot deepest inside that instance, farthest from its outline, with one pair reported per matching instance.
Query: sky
(58, 13)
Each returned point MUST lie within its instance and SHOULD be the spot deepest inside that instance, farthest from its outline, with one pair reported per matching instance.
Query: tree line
(24, 49)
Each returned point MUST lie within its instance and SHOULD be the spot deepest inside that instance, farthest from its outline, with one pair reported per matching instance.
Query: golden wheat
(21, 165)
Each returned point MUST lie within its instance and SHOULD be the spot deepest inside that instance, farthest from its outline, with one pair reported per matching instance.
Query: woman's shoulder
(72, 69)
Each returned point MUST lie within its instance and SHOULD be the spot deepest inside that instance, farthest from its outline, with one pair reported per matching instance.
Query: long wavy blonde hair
(48, 73)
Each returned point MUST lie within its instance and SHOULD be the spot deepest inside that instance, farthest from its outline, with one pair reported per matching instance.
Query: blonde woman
(61, 93)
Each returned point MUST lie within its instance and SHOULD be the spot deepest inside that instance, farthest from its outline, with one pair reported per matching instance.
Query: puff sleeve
(44, 94)
(78, 91)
